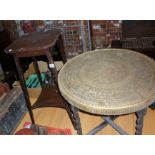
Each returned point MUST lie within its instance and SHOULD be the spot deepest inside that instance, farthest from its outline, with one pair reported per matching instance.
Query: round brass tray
(109, 81)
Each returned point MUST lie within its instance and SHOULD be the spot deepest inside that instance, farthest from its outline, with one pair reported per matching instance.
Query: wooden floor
(56, 117)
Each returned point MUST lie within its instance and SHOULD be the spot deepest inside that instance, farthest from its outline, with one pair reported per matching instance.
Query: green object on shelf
(33, 82)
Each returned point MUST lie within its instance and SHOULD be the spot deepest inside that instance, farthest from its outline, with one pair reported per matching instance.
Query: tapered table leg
(60, 46)
(23, 86)
(139, 122)
(35, 63)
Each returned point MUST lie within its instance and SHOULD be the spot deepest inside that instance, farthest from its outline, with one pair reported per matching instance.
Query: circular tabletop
(109, 81)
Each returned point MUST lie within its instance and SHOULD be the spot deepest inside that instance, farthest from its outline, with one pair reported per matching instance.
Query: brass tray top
(109, 81)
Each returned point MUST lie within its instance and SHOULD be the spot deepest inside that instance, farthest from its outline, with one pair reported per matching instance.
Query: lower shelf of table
(49, 97)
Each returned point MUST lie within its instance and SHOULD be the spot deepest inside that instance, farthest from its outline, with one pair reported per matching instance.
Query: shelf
(49, 97)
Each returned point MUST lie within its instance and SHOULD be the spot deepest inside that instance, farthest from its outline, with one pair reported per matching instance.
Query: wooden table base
(108, 120)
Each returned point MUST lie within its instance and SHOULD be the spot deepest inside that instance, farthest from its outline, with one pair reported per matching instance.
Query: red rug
(30, 129)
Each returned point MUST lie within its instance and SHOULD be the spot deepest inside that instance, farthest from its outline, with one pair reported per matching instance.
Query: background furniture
(32, 46)
(137, 35)
(7, 61)
(109, 82)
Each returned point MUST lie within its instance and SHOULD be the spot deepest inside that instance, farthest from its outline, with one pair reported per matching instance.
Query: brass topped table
(109, 82)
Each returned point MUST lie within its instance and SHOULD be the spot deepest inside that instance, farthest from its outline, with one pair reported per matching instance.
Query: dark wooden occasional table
(34, 45)
(110, 83)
